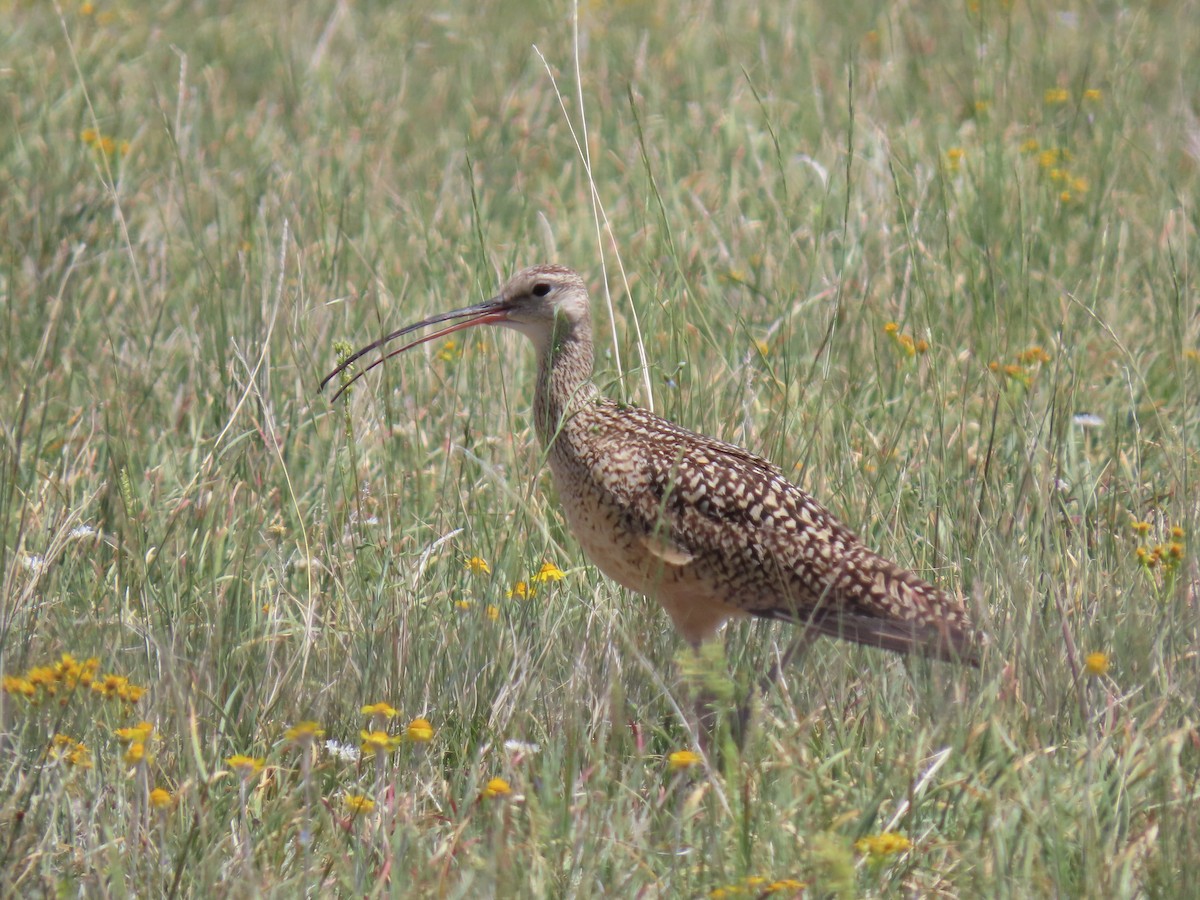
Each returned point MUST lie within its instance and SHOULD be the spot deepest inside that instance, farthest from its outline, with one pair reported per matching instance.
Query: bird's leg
(800, 643)
(706, 674)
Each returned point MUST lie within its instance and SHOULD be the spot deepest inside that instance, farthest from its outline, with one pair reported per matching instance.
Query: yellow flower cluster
(449, 352)
(525, 590)
(1057, 96)
(70, 751)
(64, 677)
(378, 741)
(757, 886)
(135, 739)
(886, 843)
(1166, 555)
(1026, 365)
(522, 590)
(1096, 664)
(905, 342)
(491, 610)
(103, 143)
(1054, 164)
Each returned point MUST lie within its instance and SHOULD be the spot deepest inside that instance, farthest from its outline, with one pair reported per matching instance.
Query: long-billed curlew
(707, 529)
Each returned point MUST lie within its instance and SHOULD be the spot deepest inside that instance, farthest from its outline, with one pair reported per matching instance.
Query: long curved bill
(490, 312)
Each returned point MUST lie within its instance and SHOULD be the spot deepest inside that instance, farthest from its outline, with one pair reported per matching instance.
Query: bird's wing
(773, 549)
(692, 496)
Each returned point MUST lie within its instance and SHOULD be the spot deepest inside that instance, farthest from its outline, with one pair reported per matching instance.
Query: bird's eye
(541, 289)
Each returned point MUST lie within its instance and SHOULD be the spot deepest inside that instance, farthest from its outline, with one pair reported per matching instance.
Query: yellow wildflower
(1056, 95)
(380, 742)
(464, 605)
(1140, 526)
(493, 612)
(477, 565)
(683, 759)
(954, 158)
(891, 328)
(70, 751)
(497, 787)
(419, 731)
(1093, 94)
(1030, 145)
(549, 572)
(522, 590)
(1096, 663)
(1177, 533)
(161, 798)
(131, 693)
(358, 804)
(382, 709)
(304, 733)
(22, 687)
(790, 885)
(245, 767)
(136, 753)
(135, 734)
(887, 843)
(107, 686)
(43, 677)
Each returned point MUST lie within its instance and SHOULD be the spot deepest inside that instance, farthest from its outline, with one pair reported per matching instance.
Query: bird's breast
(603, 533)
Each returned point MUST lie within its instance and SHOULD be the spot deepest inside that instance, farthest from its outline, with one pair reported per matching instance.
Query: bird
(709, 530)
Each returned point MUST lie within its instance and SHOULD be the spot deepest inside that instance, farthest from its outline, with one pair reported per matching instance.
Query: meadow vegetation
(936, 260)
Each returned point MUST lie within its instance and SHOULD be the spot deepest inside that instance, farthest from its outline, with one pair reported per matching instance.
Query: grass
(201, 206)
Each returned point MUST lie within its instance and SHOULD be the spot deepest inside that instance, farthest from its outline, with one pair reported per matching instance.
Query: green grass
(178, 500)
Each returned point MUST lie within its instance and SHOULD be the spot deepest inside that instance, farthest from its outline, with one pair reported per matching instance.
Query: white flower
(342, 752)
(1087, 420)
(514, 747)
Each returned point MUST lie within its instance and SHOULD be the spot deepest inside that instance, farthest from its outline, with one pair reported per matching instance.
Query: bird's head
(540, 302)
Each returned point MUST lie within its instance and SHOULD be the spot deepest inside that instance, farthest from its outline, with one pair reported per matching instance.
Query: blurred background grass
(935, 260)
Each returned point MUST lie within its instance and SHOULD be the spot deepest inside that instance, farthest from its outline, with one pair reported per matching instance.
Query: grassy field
(938, 261)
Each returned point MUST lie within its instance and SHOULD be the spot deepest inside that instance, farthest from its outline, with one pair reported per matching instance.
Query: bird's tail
(871, 600)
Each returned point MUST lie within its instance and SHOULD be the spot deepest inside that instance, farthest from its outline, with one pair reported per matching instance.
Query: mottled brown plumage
(706, 528)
